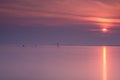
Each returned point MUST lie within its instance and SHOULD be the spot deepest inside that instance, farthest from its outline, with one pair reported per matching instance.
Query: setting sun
(104, 30)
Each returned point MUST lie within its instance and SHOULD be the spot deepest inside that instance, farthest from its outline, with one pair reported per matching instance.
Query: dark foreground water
(63, 63)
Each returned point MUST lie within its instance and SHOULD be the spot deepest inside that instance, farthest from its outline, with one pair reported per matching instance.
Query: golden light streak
(104, 20)
(104, 64)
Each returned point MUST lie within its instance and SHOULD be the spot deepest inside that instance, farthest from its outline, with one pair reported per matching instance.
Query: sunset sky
(69, 22)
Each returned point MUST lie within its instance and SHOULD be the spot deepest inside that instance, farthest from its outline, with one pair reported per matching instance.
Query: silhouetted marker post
(23, 45)
(58, 45)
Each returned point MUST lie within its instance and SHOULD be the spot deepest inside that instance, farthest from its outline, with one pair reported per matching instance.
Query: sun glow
(104, 64)
(104, 30)
(105, 23)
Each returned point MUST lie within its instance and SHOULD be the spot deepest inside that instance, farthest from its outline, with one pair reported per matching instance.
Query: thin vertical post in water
(104, 64)
(58, 44)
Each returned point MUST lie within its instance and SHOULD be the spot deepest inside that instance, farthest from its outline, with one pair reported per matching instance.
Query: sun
(104, 30)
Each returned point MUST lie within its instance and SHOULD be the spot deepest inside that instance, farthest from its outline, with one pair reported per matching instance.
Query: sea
(59, 63)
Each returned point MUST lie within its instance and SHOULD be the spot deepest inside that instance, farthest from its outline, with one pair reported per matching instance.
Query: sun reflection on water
(104, 63)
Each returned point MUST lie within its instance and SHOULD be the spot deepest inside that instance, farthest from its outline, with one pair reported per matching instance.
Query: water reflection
(104, 63)
(63, 63)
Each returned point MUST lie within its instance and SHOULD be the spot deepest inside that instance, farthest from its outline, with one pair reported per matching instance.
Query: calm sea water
(63, 63)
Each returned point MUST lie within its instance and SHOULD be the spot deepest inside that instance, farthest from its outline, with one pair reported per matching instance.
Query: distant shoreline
(32, 45)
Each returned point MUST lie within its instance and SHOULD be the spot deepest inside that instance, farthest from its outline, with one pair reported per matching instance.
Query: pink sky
(67, 11)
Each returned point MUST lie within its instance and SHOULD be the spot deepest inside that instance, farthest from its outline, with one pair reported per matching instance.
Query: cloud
(59, 12)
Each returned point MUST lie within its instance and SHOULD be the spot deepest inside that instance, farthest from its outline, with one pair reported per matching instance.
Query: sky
(69, 22)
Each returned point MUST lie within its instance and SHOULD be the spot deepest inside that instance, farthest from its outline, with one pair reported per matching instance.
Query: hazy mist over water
(63, 63)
